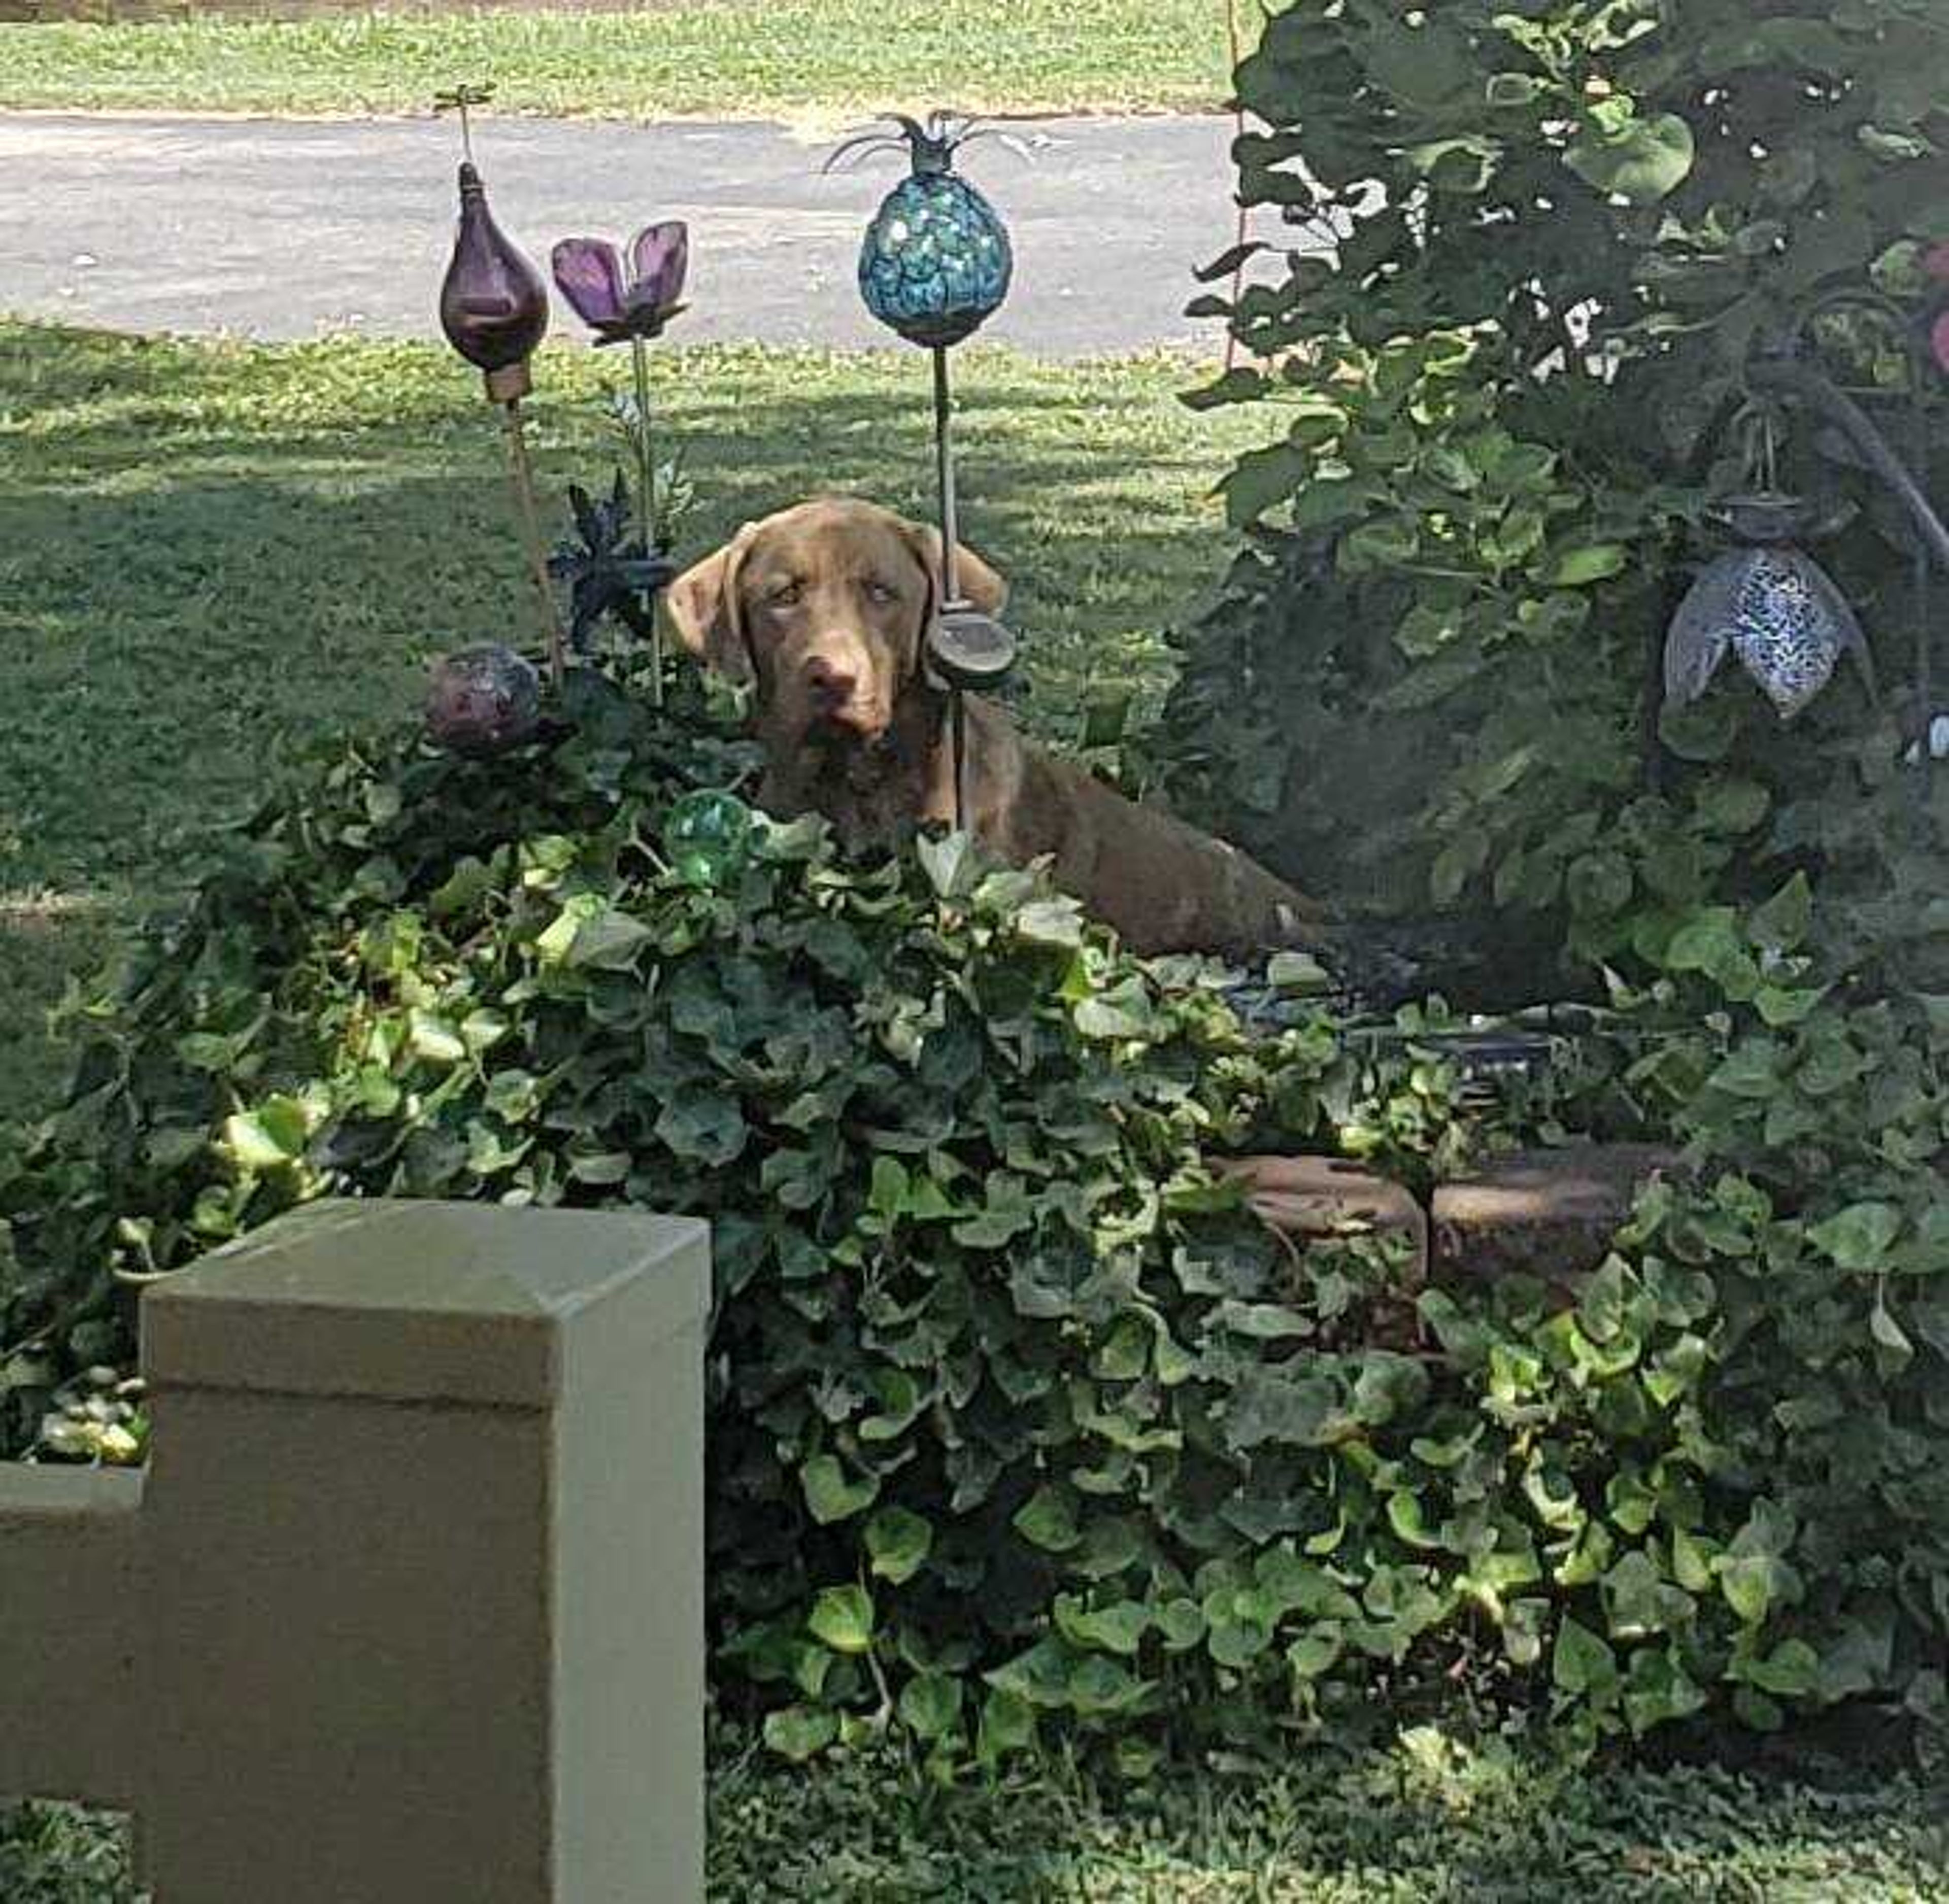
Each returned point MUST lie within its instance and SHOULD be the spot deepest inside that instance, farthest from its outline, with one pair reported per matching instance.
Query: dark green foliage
(1424, 685)
(1016, 1420)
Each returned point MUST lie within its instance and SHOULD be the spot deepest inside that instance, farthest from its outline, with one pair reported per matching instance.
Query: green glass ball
(708, 835)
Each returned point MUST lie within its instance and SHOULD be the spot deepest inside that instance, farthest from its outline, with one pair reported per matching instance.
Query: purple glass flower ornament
(493, 306)
(618, 304)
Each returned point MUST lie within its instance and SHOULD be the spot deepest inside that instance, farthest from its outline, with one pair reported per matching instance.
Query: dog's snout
(831, 678)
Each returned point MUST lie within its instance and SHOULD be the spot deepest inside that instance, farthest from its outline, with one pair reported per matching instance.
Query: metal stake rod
(531, 533)
(943, 452)
(951, 535)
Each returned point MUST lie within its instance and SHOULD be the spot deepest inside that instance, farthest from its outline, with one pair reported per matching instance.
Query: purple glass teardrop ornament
(493, 305)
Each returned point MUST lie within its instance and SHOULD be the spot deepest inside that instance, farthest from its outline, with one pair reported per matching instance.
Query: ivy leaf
(1008, 1725)
(800, 1732)
(1889, 1337)
(703, 1124)
(930, 1705)
(829, 1495)
(1582, 1664)
(1782, 924)
(1598, 884)
(951, 863)
(1123, 1013)
(842, 1617)
(1316, 1651)
(1578, 568)
(1118, 1628)
(589, 935)
(1048, 1520)
(1648, 159)
(1296, 971)
(1464, 165)
(1791, 1670)
(898, 1541)
(1859, 1238)
(1056, 922)
(1747, 1581)
(268, 1138)
(1097, 1685)
(1268, 1407)
(1005, 1215)
(429, 1037)
(1405, 1517)
(1733, 806)
(1260, 480)
(1709, 943)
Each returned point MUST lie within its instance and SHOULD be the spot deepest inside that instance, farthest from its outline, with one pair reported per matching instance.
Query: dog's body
(824, 608)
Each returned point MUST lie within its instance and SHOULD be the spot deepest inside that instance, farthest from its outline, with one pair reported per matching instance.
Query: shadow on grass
(205, 565)
(211, 555)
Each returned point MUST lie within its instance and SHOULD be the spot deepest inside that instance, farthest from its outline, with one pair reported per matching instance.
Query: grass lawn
(209, 553)
(822, 60)
(1423, 1823)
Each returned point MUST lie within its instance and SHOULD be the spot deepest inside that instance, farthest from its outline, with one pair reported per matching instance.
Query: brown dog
(825, 607)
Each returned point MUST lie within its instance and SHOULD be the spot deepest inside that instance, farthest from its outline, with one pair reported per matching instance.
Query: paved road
(272, 228)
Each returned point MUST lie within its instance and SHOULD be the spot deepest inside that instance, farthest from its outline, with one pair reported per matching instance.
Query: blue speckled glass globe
(937, 261)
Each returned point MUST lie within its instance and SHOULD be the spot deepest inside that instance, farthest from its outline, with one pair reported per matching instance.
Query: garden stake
(935, 266)
(521, 472)
(652, 538)
(633, 298)
(493, 309)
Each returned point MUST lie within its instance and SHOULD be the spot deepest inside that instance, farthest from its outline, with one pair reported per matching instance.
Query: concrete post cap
(421, 1301)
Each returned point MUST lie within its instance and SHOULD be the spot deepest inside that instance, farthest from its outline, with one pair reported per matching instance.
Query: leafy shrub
(1559, 228)
(1016, 1420)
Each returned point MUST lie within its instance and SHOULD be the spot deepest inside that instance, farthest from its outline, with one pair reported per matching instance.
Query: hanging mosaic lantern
(1770, 604)
(936, 261)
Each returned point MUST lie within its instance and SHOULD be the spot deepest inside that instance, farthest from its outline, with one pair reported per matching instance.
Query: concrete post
(418, 1563)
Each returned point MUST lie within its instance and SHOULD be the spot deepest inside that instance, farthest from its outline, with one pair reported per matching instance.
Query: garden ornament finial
(493, 308)
(935, 266)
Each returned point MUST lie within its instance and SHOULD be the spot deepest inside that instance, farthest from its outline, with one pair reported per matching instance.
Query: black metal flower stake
(625, 300)
(494, 309)
(1766, 600)
(934, 267)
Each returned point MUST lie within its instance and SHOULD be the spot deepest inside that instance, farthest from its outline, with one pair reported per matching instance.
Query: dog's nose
(831, 680)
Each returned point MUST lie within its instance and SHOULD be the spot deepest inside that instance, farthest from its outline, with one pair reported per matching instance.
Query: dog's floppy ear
(976, 583)
(706, 612)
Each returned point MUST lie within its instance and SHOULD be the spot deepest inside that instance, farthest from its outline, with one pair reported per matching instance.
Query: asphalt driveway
(270, 229)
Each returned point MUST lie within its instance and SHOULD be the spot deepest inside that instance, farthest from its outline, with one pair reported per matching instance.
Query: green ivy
(1020, 1428)
(1555, 231)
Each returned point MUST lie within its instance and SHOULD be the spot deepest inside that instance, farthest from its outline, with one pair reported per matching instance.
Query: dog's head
(824, 608)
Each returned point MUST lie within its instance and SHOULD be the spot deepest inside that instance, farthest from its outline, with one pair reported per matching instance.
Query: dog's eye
(878, 593)
(784, 596)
